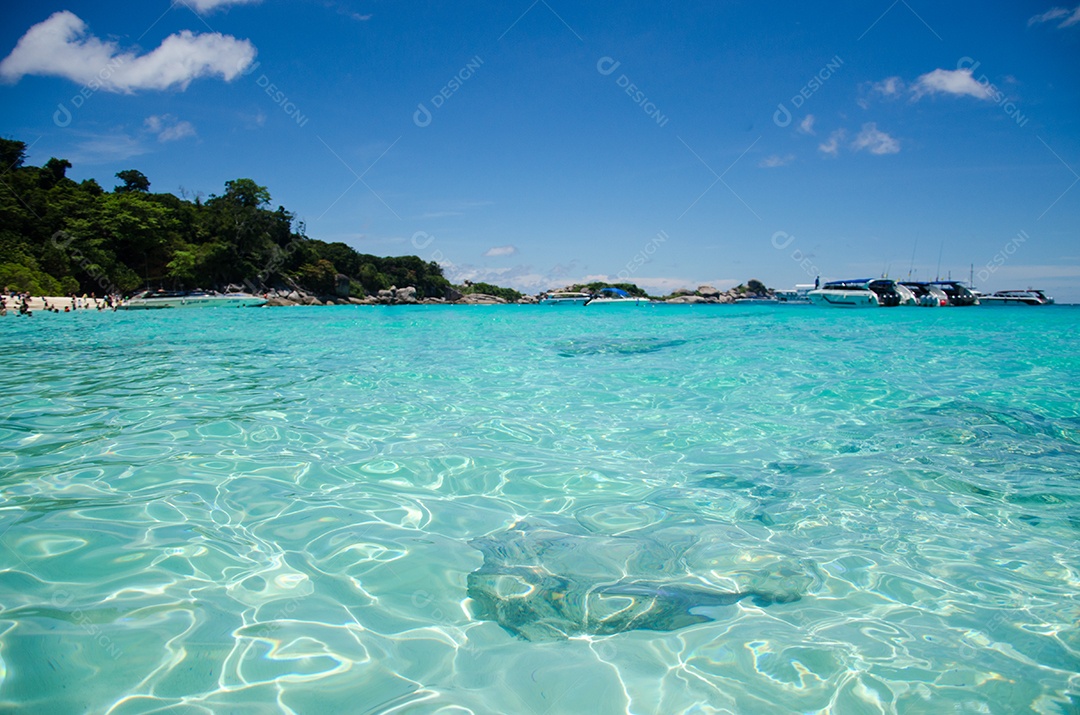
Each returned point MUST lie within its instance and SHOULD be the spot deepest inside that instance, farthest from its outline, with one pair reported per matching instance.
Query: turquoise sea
(520, 509)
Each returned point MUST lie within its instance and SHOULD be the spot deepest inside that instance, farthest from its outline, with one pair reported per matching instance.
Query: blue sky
(535, 144)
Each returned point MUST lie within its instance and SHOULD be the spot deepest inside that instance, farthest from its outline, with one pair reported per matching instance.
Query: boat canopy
(615, 291)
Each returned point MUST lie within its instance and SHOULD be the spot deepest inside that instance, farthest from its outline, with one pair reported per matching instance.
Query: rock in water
(543, 584)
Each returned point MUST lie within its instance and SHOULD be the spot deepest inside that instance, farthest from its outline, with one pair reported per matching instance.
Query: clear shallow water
(240, 511)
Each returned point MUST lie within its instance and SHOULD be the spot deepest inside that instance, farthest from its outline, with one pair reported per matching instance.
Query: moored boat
(797, 296)
(558, 298)
(615, 296)
(959, 294)
(860, 293)
(157, 300)
(1031, 296)
(927, 295)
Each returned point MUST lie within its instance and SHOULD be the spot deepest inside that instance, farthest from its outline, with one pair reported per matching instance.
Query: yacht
(927, 295)
(561, 297)
(1030, 296)
(160, 299)
(958, 293)
(615, 296)
(860, 293)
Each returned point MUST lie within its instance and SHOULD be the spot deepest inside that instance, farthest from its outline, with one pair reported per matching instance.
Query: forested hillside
(59, 237)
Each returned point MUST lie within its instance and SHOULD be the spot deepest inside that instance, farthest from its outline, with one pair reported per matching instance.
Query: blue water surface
(259, 510)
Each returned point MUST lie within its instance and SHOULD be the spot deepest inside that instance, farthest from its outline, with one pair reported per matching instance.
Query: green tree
(134, 180)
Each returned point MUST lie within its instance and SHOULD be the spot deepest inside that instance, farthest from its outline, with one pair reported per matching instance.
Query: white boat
(1030, 296)
(927, 295)
(959, 294)
(615, 296)
(157, 300)
(565, 298)
(798, 296)
(861, 293)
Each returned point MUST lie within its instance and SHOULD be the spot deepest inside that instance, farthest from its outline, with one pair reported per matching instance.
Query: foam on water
(230, 511)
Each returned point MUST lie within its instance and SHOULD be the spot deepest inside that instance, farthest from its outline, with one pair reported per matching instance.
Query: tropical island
(59, 237)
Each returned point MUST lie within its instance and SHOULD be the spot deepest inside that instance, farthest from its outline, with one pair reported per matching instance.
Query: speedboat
(1030, 296)
(160, 299)
(927, 295)
(860, 293)
(958, 293)
(565, 298)
(615, 296)
(796, 296)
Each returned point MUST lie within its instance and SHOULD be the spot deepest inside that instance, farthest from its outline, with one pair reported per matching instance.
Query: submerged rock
(543, 583)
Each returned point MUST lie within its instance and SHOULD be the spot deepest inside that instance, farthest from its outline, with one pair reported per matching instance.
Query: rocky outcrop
(481, 299)
(405, 295)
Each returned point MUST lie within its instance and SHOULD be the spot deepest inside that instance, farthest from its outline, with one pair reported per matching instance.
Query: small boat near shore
(1031, 296)
(861, 293)
(562, 298)
(160, 299)
(615, 296)
(797, 296)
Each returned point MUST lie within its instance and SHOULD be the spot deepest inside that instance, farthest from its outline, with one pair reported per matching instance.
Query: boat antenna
(941, 250)
(912, 266)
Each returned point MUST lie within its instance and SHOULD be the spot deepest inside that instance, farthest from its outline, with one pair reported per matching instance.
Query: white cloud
(107, 148)
(771, 162)
(500, 251)
(806, 126)
(958, 82)
(1072, 17)
(832, 146)
(62, 47)
(889, 87)
(168, 128)
(875, 140)
(205, 6)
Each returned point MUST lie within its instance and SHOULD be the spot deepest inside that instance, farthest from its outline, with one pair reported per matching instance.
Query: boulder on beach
(481, 299)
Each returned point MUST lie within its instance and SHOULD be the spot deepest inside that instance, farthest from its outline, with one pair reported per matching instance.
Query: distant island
(59, 237)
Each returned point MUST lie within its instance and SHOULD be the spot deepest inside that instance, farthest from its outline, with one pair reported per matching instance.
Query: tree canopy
(58, 237)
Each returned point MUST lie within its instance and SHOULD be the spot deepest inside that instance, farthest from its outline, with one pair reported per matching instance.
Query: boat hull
(844, 298)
